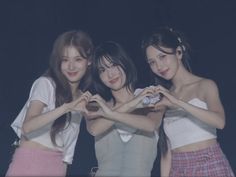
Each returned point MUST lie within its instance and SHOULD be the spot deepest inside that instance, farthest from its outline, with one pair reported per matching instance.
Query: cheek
(82, 65)
(63, 66)
(102, 77)
(154, 68)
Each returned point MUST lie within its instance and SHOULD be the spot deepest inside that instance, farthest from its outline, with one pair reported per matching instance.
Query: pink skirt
(210, 162)
(36, 162)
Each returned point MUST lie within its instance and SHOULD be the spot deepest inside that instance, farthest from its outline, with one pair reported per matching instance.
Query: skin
(73, 68)
(186, 86)
(99, 121)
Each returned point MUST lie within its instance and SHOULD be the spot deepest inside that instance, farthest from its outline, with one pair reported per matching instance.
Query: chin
(74, 80)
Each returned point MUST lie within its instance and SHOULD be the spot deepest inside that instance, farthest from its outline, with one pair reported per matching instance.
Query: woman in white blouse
(48, 125)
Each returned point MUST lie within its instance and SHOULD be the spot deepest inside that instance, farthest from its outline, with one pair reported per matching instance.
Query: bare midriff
(196, 146)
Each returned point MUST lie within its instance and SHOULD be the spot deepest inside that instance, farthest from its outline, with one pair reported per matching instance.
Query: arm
(122, 114)
(35, 119)
(147, 122)
(166, 164)
(215, 115)
(99, 125)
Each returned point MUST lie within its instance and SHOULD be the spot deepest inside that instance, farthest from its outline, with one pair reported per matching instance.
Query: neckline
(197, 99)
(191, 101)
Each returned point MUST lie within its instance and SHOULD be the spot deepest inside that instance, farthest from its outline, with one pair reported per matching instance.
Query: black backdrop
(29, 27)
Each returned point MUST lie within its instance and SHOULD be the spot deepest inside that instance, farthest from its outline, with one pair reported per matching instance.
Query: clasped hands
(93, 106)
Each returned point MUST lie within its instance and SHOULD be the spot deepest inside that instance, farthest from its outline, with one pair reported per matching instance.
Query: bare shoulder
(208, 88)
(207, 84)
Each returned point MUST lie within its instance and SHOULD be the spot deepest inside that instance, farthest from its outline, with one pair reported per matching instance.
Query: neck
(182, 77)
(122, 95)
(74, 90)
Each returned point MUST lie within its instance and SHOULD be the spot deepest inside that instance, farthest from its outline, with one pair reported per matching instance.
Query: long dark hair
(115, 54)
(83, 43)
(168, 38)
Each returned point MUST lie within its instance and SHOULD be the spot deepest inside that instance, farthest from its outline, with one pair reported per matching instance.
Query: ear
(179, 52)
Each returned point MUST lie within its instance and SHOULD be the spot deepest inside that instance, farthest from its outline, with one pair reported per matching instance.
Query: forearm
(100, 125)
(133, 120)
(97, 126)
(125, 108)
(166, 164)
(41, 120)
(211, 118)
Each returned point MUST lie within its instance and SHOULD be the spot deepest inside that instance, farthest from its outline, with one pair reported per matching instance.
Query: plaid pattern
(209, 162)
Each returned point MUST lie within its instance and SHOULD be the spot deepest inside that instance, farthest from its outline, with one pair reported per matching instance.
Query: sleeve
(70, 139)
(42, 90)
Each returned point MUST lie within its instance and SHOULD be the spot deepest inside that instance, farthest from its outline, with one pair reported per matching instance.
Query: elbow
(93, 131)
(25, 129)
(151, 128)
(221, 126)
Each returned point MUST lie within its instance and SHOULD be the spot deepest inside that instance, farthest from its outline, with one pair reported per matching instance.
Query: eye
(64, 59)
(101, 70)
(113, 65)
(79, 59)
(161, 57)
(151, 62)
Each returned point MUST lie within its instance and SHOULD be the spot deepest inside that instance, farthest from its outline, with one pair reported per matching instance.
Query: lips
(163, 73)
(114, 80)
(72, 74)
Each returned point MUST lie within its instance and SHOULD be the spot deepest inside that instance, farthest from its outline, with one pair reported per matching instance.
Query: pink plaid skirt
(209, 162)
(36, 162)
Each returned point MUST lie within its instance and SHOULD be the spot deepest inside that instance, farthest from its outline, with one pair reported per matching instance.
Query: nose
(159, 65)
(71, 65)
(110, 72)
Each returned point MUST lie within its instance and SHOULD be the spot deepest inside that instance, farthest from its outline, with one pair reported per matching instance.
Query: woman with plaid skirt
(193, 110)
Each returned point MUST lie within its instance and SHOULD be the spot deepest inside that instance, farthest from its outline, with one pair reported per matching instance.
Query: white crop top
(43, 90)
(182, 128)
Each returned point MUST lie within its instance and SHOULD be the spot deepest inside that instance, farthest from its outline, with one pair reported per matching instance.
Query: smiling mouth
(72, 73)
(113, 80)
(164, 72)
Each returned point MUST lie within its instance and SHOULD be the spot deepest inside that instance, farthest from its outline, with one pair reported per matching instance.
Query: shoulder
(42, 86)
(208, 87)
(43, 82)
(44, 79)
(208, 84)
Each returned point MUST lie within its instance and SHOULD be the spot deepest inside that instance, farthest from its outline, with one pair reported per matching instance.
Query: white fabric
(43, 90)
(182, 128)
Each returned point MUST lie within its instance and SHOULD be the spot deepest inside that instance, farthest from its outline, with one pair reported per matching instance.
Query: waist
(196, 146)
(35, 145)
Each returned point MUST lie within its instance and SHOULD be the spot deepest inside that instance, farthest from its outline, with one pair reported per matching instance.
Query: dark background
(28, 29)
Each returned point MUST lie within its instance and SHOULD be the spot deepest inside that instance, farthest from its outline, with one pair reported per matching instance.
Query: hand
(167, 100)
(102, 111)
(140, 95)
(80, 103)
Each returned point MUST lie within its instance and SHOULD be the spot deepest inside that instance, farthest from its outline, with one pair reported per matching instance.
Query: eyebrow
(77, 56)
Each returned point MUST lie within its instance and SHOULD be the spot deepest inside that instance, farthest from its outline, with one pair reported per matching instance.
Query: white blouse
(43, 89)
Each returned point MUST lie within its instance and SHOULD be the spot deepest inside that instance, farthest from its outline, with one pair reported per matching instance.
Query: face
(112, 75)
(163, 64)
(73, 65)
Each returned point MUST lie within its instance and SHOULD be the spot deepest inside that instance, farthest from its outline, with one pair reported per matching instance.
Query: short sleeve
(42, 90)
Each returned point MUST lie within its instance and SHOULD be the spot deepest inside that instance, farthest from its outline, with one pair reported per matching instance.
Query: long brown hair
(83, 43)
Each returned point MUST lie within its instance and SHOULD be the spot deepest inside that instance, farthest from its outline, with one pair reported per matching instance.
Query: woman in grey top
(125, 139)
